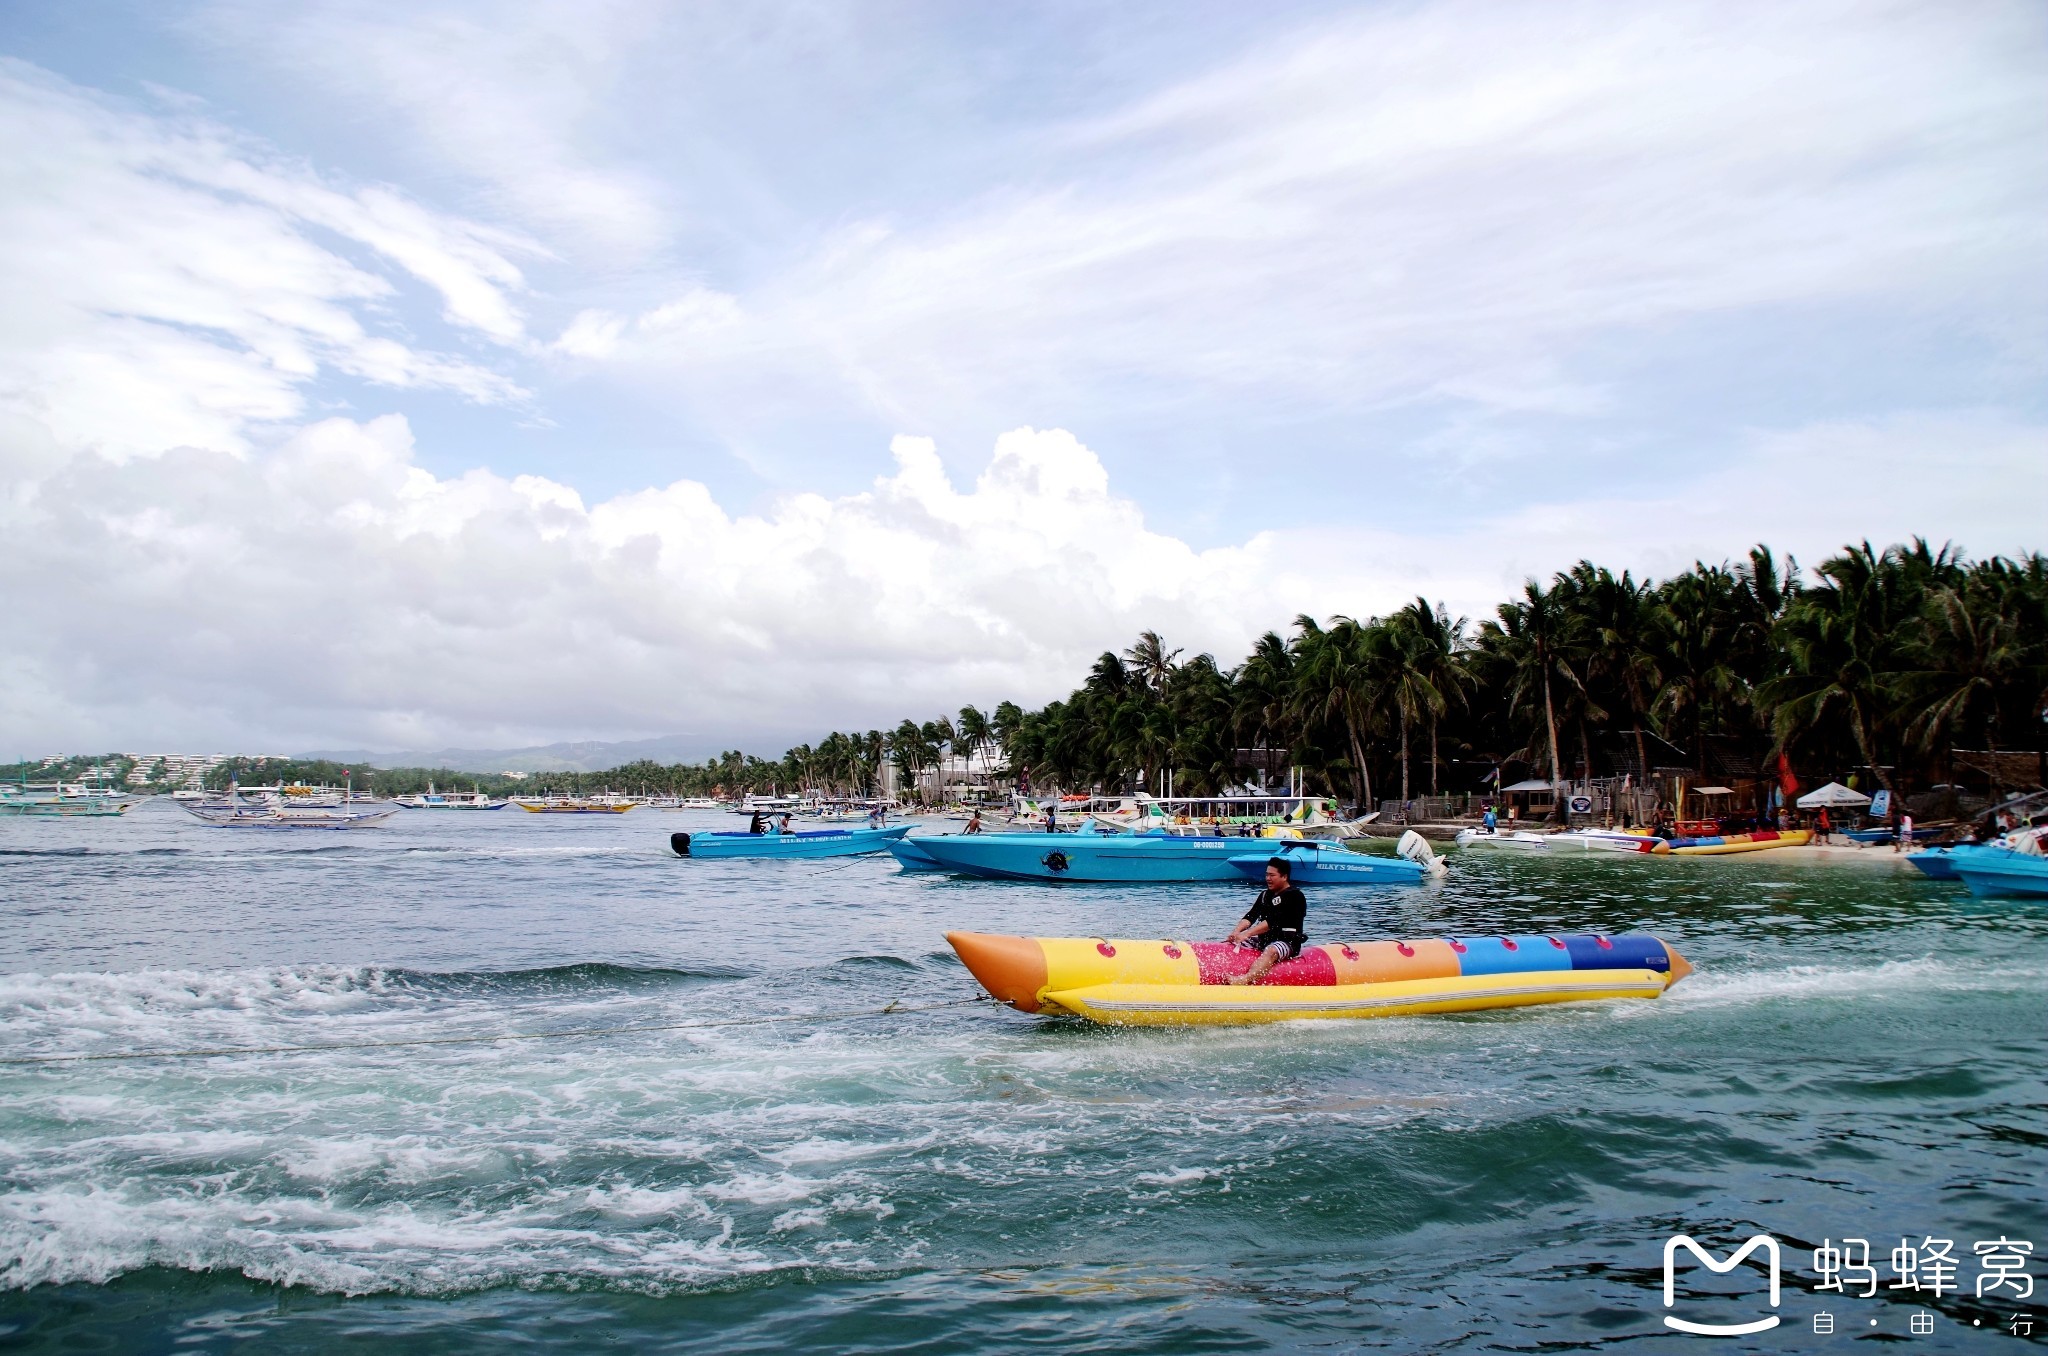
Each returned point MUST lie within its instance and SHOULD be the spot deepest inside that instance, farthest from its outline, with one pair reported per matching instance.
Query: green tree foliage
(1883, 660)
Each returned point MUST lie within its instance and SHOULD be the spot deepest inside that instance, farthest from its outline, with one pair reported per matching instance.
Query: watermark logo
(1763, 1242)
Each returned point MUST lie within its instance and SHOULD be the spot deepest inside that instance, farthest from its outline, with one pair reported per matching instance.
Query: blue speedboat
(1992, 870)
(810, 843)
(1126, 857)
(911, 856)
(1333, 868)
(1940, 863)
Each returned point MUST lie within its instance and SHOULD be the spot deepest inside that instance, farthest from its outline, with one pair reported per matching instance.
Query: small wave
(1923, 974)
(46, 852)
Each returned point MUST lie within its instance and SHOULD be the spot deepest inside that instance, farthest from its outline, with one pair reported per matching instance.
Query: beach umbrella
(1833, 796)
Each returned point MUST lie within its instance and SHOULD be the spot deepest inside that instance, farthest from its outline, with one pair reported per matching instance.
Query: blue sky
(565, 343)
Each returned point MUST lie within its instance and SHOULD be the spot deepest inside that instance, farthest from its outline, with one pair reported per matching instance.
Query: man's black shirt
(1284, 912)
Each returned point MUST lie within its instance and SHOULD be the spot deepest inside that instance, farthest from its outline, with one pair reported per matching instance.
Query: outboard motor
(1416, 849)
(681, 843)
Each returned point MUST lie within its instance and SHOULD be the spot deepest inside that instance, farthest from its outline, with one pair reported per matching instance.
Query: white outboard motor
(1416, 849)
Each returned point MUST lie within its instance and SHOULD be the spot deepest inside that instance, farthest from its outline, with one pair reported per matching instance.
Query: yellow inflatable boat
(1162, 983)
(1760, 841)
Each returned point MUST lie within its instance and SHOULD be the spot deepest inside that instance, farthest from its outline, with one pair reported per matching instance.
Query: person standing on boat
(1274, 924)
(875, 816)
(973, 824)
(758, 824)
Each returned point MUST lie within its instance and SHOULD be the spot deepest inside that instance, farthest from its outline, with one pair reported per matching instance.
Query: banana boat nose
(1012, 969)
(1680, 967)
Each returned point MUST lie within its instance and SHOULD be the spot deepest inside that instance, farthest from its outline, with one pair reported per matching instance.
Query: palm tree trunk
(1361, 778)
(1550, 721)
(1432, 756)
(1404, 758)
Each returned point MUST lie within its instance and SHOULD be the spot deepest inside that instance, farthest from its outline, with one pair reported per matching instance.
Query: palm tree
(1618, 623)
(1149, 662)
(1528, 637)
(1262, 697)
(1842, 642)
(1433, 679)
(1338, 675)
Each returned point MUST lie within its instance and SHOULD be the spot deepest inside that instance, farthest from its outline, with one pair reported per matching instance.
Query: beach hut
(1833, 796)
(1528, 789)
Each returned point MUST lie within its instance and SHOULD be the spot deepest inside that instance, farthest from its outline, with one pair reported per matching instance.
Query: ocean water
(782, 1167)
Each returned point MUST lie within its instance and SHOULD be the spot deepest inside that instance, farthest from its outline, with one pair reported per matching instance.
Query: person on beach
(973, 823)
(1490, 819)
(1905, 833)
(1823, 827)
(1273, 926)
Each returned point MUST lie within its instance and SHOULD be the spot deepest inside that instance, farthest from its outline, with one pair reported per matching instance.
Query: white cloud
(1436, 201)
(498, 94)
(332, 592)
(165, 284)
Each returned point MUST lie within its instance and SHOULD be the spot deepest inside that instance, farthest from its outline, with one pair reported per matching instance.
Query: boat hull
(1154, 982)
(1991, 872)
(1333, 868)
(1520, 840)
(817, 843)
(301, 821)
(1109, 858)
(911, 856)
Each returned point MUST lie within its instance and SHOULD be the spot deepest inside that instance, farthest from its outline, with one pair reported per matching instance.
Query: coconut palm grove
(1910, 667)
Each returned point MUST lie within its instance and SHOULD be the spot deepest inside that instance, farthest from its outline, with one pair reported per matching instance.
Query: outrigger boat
(430, 799)
(274, 812)
(1163, 983)
(575, 805)
(807, 843)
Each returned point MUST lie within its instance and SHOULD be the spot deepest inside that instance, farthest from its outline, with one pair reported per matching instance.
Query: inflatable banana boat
(1759, 841)
(1165, 983)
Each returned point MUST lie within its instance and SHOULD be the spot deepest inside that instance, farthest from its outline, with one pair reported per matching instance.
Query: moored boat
(1164, 982)
(430, 799)
(911, 856)
(1135, 858)
(1522, 840)
(1722, 844)
(574, 805)
(274, 812)
(807, 843)
(1611, 840)
(1992, 871)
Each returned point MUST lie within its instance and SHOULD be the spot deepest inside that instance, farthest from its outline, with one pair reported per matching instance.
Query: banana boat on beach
(1167, 983)
(1740, 842)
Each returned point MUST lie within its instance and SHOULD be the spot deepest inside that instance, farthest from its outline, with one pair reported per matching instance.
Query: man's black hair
(1281, 865)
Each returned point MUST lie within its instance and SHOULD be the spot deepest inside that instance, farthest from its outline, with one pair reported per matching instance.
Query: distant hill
(587, 755)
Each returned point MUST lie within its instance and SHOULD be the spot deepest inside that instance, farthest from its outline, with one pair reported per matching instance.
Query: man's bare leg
(1260, 967)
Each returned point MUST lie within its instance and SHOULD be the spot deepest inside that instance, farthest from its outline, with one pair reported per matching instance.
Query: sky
(433, 374)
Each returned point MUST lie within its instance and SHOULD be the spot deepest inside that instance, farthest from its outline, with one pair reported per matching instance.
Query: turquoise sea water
(1860, 1055)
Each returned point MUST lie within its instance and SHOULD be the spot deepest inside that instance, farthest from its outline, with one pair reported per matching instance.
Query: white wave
(1925, 974)
(1175, 1177)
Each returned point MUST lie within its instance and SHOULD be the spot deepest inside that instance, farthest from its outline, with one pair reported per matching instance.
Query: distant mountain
(587, 755)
